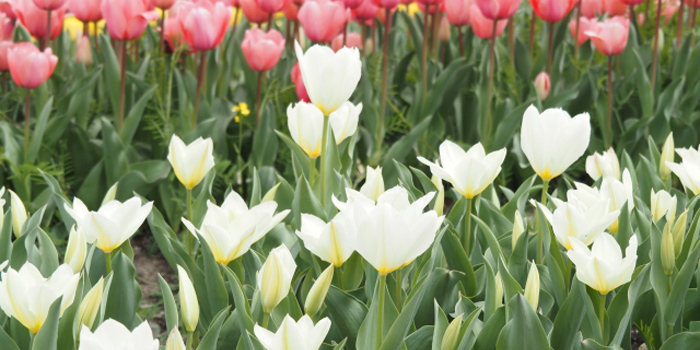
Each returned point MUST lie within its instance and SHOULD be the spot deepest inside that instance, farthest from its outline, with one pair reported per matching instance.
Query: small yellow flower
(75, 27)
(412, 9)
(240, 109)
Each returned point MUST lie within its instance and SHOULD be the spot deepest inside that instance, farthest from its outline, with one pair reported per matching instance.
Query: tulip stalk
(540, 231)
(188, 237)
(468, 226)
(201, 77)
(258, 107)
(533, 22)
(385, 78)
(424, 52)
(610, 101)
(601, 314)
(122, 86)
(190, 341)
(399, 290)
(550, 49)
(161, 45)
(324, 159)
(679, 25)
(47, 37)
(108, 262)
(486, 125)
(511, 41)
(656, 44)
(576, 42)
(380, 312)
(460, 37)
(27, 108)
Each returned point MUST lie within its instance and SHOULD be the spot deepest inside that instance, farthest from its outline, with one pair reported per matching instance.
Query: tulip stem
(161, 45)
(27, 109)
(399, 290)
(550, 49)
(385, 78)
(188, 237)
(47, 35)
(258, 108)
(577, 45)
(486, 125)
(601, 315)
(235, 21)
(655, 57)
(312, 171)
(424, 53)
(380, 310)
(511, 41)
(610, 101)
(468, 226)
(269, 23)
(324, 160)
(540, 227)
(679, 25)
(266, 319)
(108, 262)
(461, 41)
(201, 77)
(533, 22)
(122, 86)
(669, 286)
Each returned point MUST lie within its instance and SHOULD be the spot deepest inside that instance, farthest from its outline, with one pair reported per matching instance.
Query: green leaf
(394, 339)
(132, 120)
(47, 337)
(124, 292)
(211, 338)
(346, 311)
(688, 340)
(171, 314)
(38, 133)
(524, 331)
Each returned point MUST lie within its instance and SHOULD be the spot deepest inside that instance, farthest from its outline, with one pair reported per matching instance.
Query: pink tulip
(669, 10)
(49, 4)
(30, 67)
(322, 19)
(253, 12)
(542, 85)
(83, 50)
(291, 12)
(8, 8)
(272, 6)
(482, 26)
(35, 19)
(352, 4)
(204, 24)
(299, 84)
(262, 50)
(610, 36)
(7, 27)
(367, 11)
(173, 35)
(458, 11)
(498, 9)
(632, 2)
(86, 10)
(386, 4)
(163, 4)
(127, 19)
(354, 40)
(5, 47)
(552, 11)
(586, 24)
(430, 2)
(614, 7)
(591, 8)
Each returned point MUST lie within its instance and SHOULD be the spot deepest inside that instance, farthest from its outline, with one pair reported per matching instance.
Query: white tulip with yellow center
(275, 277)
(189, 305)
(392, 232)
(301, 335)
(603, 165)
(333, 242)
(305, 122)
(603, 268)
(19, 213)
(26, 295)
(113, 224)
(112, 335)
(231, 229)
(330, 77)
(663, 204)
(688, 171)
(616, 192)
(76, 250)
(552, 140)
(191, 162)
(469, 172)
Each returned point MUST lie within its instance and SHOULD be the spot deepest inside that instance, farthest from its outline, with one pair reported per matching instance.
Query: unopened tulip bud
(369, 45)
(450, 340)
(444, 32)
(83, 50)
(679, 231)
(270, 195)
(191, 162)
(518, 227)
(532, 286)
(667, 155)
(603, 165)
(543, 84)
(175, 341)
(317, 293)
(440, 198)
(189, 305)
(19, 214)
(668, 255)
(275, 277)
(663, 204)
(111, 194)
(90, 306)
(499, 289)
(76, 250)
(374, 183)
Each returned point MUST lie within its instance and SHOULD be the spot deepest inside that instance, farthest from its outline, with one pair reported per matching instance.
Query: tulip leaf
(676, 298)
(240, 301)
(214, 288)
(397, 333)
(47, 337)
(688, 340)
(524, 330)
(171, 314)
(487, 337)
(49, 255)
(346, 311)
(569, 318)
(59, 200)
(590, 344)
(519, 198)
(38, 133)
(124, 292)
(300, 159)
(6, 246)
(112, 72)
(6, 342)
(306, 202)
(401, 148)
(211, 337)
(441, 324)
(489, 235)
(457, 260)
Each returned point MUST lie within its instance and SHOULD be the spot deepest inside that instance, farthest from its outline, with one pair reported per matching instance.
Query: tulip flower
(552, 140)
(542, 85)
(272, 6)
(374, 184)
(532, 286)
(275, 277)
(37, 20)
(191, 162)
(579, 34)
(602, 267)
(603, 165)
(319, 290)
(610, 36)
(19, 213)
(262, 50)
(552, 11)
(76, 250)
(301, 335)
(252, 12)
(231, 229)
(86, 10)
(498, 9)
(322, 19)
(163, 4)
(189, 305)
(458, 11)
(306, 122)
(614, 7)
(83, 51)
(518, 228)
(90, 306)
(591, 8)
(367, 11)
(49, 4)
(5, 47)
(296, 79)
(667, 155)
(7, 27)
(30, 67)
(616, 191)
(353, 40)
(386, 4)
(332, 242)
(663, 204)
(26, 295)
(688, 171)
(118, 336)
(175, 341)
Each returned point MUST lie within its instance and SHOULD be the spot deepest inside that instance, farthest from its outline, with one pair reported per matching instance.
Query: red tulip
(204, 24)
(354, 40)
(498, 9)
(299, 84)
(586, 24)
(552, 11)
(322, 19)
(591, 8)
(253, 12)
(482, 26)
(8, 8)
(162, 4)
(7, 27)
(386, 4)
(610, 36)
(4, 50)
(30, 67)
(272, 6)
(86, 10)
(542, 85)
(367, 11)
(429, 2)
(127, 19)
(614, 7)
(291, 12)
(262, 50)
(35, 19)
(49, 4)
(352, 4)
(458, 11)
(632, 2)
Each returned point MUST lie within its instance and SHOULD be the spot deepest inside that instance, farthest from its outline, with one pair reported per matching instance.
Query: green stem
(540, 227)
(266, 319)
(201, 78)
(338, 273)
(424, 53)
(122, 83)
(601, 314)
(324, 161)
(312, 172)
(399, 289)
(108, 262)
(610, 101)
(655, 50)
(550, 49)
(188, 237)
(486, 123)
(669, 285)
(468, 226)
(385, 78)
(380, 311)
(27, 110)
(190, 340)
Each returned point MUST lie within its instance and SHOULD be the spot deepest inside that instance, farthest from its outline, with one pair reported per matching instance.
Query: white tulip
(469, 172)
(552, 141)
(76, 250)
(603, 268)
(191, 162)
(302, 335)
(603, 165)
(189, 305)
(688, 171)
(113, 224)
(344, 121)
(374, 183)
(231, 229)
(332, 242)
(667, 155)
(615, 191)
(305, 123)
(112, 335)
(175, 341)
(663, 204)
(532, 286)
(19, 213)
(329, 77)
(27, 296)
(275, 277)
(319, 290)
(518, 228)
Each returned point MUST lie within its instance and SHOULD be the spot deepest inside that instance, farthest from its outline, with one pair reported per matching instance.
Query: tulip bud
(667, 155)
(317, 293)
(450, 339)
(369, 45)
(191, 162)
(270, 195)
(679, 232)
(543, 84)
(532, 286)
(275, 277)
(90, 306)
(499, 289)
(668, 256)
(663, 204)
(19, 214)
(175, 341)
(189, 306)
(374, 183)
(440, 199)
(444, 32)
(111, 194)
(76, 250)
(83, 50)
(518, 227)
